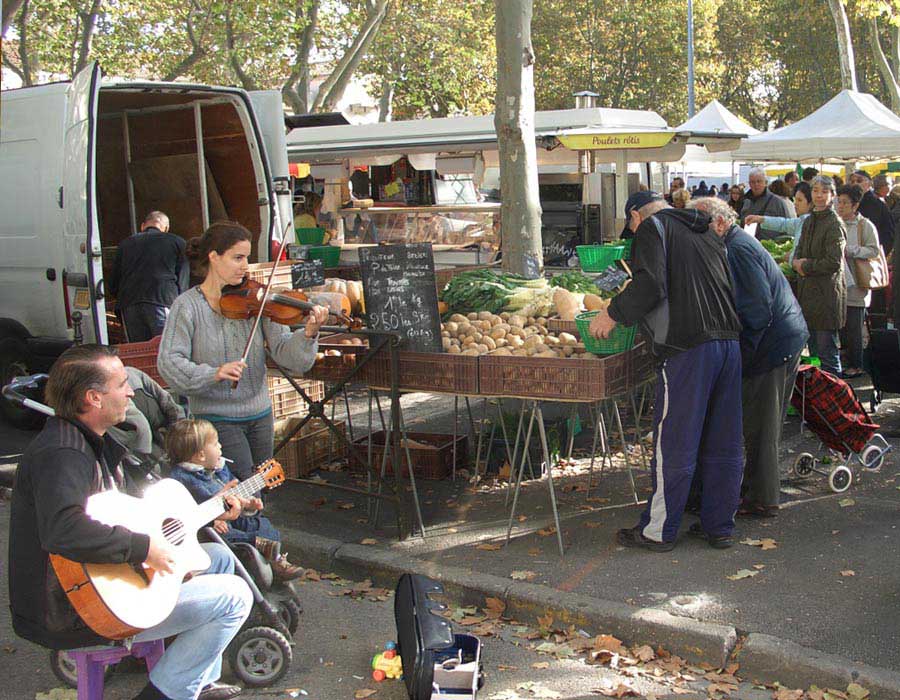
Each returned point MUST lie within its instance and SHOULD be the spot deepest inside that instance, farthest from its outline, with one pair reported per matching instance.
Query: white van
(82, 162)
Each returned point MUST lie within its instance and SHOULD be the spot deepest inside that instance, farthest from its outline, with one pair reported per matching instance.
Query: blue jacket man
(772, 336)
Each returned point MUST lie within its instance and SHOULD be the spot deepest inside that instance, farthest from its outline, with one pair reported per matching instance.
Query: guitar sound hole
(173, 531)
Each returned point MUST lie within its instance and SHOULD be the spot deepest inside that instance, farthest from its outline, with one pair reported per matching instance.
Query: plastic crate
(142, 356)
(596, 258)
(431, 454)
(628, 243)
(310, 236)
(330, 255)
(620, 340)
(286, 402)
(438, 372)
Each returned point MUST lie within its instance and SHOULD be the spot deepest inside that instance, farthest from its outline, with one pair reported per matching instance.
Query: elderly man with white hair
(773, 334)
(761, 202)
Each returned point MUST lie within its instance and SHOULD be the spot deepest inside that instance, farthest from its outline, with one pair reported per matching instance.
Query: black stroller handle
(15, 392)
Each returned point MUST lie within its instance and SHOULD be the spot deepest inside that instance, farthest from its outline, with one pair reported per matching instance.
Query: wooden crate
(259, 272)
(431, 454)
(314, 446)
(286, 401)
(143, 357)
(438, 372)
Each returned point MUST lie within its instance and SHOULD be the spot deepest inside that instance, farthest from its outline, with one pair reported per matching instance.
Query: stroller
(261, 653)
(830, 408)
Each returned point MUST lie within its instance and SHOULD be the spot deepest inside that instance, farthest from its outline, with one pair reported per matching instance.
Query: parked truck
(82, 162)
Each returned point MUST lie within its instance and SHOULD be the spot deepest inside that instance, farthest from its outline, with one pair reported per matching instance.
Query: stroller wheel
(840, 479)
(804, 464)
(289, 612)
(260, 656)
(872, 458)
(63, 667)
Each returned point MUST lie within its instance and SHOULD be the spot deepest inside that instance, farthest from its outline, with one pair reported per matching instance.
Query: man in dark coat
(875, 210)
(772, 336)
(150, 270)
(760, 201)
(681, 295)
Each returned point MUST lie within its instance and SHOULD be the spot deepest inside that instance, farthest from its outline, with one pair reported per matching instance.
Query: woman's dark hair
(311, 201)
(852, 192)
(805, 189)
(780, 188)
(219, 237)
(78, 370)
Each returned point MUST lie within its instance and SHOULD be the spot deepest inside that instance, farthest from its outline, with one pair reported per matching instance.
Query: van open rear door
(269, 111)
(84, 254)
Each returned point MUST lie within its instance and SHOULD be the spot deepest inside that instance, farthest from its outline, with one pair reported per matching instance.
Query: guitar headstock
(272, 473)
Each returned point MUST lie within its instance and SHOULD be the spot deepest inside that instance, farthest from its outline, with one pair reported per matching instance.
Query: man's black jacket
(680, 292)
(64, 465)
(878, 213)
(149, 268)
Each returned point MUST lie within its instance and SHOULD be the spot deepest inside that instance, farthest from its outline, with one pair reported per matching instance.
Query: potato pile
(507, 335)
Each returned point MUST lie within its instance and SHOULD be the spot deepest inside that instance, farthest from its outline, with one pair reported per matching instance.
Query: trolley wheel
(872, 458)
(260, 656)
(840, 479)
(803, 465)
(63, 667)
(289, 612)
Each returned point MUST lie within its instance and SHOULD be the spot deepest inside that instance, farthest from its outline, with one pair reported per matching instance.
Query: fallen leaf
(489, 547)
(369, 540)
(608, 643)
(592, 524)
(504, 667)
(346, 506)
(523, 575)
(644, 653)
(534, 551)
(848, 572)
(619, 691)
(494, 607)
(471, 620)
(759, 567)
(787, 694)
(547, 531)
(522, 518)
(743, 573)
(765, 543)
(731, 669)
(364, 693)
(857, 692)
(815, 693)
(540, 664)
(846, 502)
(545, 621)
(714, 688)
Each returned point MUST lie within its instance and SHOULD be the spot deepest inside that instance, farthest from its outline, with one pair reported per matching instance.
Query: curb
(762, 658)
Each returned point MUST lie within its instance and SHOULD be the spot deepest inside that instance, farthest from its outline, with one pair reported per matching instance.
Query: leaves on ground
(742, 573)
(547, 531)
(620, 691)
(848, 572)
(643, 653)
(787, 694)
(609, 643)
(764, 544)
(857, 692)
(369, 540)
(846, 502)
(489, 547)
(364, 693)
(540, 664)
(523, 575)
(494, 607)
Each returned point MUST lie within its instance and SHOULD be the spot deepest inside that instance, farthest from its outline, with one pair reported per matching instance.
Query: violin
(287, 307)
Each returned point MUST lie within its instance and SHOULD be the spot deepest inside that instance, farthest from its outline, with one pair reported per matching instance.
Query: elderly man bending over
(761, 202)
(773, 334)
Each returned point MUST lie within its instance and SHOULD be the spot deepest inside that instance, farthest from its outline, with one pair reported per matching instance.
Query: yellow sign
(82, 299)
(615, 141)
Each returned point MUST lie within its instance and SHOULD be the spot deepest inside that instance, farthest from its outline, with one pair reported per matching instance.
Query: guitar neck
(216, 505)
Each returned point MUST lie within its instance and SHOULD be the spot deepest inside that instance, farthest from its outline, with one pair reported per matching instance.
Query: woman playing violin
(200, 350)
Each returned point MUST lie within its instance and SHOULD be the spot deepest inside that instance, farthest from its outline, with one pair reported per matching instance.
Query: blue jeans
(246, 528)
(697, 426)
(824, 345)
(210, 611)
(144, 321)
(247, 443)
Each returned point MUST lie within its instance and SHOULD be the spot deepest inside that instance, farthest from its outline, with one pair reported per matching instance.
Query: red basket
(142, 356)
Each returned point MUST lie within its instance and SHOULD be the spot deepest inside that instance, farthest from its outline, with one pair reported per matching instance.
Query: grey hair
(756, 171)
(157, 217)
(651, 208)
(716, 208)
(823, 181)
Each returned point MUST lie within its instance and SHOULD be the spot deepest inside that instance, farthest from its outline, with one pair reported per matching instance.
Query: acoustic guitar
(120, 600)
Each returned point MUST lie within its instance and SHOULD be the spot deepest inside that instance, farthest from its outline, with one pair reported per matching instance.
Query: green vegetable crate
(620, 340)
(596, 258)
(330, 255)
(310, 236)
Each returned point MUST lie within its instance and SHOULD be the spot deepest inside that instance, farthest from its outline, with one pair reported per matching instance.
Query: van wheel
(14, 363)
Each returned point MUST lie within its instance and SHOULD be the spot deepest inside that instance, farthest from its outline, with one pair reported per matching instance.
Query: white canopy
(850, 126)
(716, 119)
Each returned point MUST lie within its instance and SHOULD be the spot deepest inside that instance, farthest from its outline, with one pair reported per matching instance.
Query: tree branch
(887, 75)
(9, 9)
(89, 23)
(296, 87)
(197, 50)
(24, 57)
(845, 44)
(13, 67)
(333, 88)
(247, 82)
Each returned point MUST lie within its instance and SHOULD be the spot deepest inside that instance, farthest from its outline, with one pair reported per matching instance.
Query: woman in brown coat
(821, 289)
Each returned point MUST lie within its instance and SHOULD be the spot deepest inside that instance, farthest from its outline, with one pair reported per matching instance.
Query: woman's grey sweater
(197, 341)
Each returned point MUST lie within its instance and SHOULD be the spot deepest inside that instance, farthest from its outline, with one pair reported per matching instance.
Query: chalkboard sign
(400, 294)
(310, 273)
(611, 279)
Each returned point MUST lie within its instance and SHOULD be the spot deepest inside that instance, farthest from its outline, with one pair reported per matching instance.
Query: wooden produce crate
(142, 356)
(558, 379)
(314, 446)
(286, 401)
(259, 272)
(438, 372)
(335, 368)
(431, 454)
(557, 325)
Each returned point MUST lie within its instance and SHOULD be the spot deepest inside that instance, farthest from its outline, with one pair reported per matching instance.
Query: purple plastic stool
(90, 664)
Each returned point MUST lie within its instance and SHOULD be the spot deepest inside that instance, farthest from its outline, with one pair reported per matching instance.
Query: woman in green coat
(822, 289)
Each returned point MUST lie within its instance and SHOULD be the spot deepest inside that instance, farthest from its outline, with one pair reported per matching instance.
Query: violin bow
(262, 304)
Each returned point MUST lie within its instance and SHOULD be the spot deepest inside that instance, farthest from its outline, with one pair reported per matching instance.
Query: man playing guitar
(70, 460)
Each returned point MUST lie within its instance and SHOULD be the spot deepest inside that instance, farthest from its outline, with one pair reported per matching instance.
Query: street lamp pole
(690, 33)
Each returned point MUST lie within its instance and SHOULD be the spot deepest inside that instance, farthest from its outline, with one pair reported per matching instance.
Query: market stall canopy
(715, 118)
(850, 126)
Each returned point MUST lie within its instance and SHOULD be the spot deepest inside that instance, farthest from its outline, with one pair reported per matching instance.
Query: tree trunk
(514, 121)
(887, 75)
(198, 51)
(386, 101)
(296, 88)
(845, 45)
(332, 89)
(89, 23)
(7, 12)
